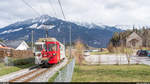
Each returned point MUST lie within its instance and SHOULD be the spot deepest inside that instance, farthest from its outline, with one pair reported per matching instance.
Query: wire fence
(10, 61)
(65, 75)
(9, 57)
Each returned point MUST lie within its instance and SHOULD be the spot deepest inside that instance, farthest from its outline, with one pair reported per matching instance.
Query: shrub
(23, 61)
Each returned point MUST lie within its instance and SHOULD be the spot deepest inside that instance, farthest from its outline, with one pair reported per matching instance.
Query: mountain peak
(91, 34)
(45, 16)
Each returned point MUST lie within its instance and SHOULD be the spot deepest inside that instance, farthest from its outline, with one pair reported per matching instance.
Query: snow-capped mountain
(88, 25)
(99, 26)
(125, 27)
(91, 34)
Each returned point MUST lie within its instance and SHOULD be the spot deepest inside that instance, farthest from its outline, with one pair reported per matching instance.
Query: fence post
(65, 75)
(6, 60)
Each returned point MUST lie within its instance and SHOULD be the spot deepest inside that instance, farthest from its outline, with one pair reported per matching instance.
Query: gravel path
(29, 76)
(10, 76)
(45, 77)
(142, 60)
(109, 59)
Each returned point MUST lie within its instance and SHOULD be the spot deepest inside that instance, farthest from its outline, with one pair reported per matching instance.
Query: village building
(2, 44)
(134, 40)
(17, 44)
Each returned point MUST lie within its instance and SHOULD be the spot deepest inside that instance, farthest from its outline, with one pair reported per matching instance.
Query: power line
(31, 7)
(70, 33)
(61, 9)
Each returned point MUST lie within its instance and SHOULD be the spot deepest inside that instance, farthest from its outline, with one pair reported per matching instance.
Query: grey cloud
(109, 12)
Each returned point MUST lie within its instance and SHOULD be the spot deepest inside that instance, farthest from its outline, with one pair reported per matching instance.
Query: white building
(133, 40)
(17, 44)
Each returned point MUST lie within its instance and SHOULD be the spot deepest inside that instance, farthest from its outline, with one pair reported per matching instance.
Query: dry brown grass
(111, 73)
(79, 48)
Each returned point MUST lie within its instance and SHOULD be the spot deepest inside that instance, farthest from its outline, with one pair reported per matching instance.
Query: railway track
(33, 74)
(27, 77)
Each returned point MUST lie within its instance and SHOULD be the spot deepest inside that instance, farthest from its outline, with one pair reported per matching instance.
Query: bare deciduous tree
(123, 50)
(117, 51)
(128, 52)
(79, 46)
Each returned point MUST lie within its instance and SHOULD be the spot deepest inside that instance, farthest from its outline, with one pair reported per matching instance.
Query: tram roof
(46, 39)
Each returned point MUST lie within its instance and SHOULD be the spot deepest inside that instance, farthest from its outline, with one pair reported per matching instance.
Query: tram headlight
(54, 53)
(38, 54)
(44, 55)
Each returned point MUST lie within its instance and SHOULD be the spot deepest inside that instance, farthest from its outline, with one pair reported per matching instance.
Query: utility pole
(46, 27)
(64, 45)
(70, 43)
(46, 33)
(32, 39)
(46, 30)
(64, 41)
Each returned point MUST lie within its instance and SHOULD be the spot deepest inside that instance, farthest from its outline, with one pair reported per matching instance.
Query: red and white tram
(49, 51)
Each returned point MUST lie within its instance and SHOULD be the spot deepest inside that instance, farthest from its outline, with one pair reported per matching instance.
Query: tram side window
(45, 47)
(60, 47)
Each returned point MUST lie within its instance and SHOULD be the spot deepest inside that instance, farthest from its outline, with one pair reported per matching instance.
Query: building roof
(2, 44)
(134, 36)
(13, 43)
(48, 39)
(1, 47)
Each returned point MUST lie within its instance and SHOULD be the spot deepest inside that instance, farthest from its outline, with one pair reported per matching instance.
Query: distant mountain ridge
(137, 26)
(91, 34)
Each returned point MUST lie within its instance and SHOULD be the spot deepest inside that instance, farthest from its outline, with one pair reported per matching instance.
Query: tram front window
(52, 47)
(38, 48)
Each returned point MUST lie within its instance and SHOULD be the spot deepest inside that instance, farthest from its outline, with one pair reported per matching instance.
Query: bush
(110, 47)
(23, 61)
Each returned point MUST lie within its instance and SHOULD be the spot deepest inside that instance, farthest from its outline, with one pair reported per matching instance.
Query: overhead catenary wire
(53, 9)
(32, 35)
(31, 7)
(69, 27)
(61, 9)
(35, 12)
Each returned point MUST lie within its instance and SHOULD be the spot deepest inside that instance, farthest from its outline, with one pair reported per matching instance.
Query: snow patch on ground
(33, 26)
(9, 31)
(45, 27)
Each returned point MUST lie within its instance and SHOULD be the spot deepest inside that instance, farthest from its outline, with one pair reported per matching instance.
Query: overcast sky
(109, 12)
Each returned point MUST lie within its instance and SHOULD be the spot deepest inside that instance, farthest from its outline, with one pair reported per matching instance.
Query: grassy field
(111, 73)
(99, 53)
(9, 69)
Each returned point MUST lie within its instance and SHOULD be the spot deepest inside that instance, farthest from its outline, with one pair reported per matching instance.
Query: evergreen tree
(115, 39)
